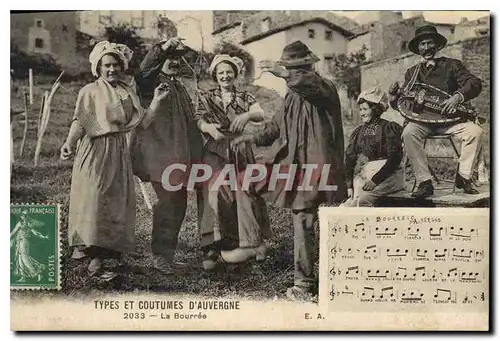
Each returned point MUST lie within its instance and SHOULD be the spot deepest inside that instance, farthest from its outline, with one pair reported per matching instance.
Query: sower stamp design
(34, 247)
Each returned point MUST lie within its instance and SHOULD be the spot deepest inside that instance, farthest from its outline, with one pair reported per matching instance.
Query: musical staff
(368, 229)
(403, 293)
(410, 264)
(417, 273)
(375, 250)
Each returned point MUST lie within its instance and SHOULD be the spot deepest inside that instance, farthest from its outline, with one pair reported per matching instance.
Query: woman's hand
(66, 151)
(369, 185)
(239, 123)
(212, 129)
(161, 91)
(350, 193)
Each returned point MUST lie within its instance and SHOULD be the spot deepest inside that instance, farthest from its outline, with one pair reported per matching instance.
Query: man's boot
(465, 184)
(424, 189)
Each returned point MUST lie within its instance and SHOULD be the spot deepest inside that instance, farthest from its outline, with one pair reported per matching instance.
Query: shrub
(21, 62)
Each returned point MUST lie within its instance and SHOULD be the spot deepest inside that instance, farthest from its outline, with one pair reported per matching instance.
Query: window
(39, 43)
(39, 23)
(328, 35)
(137, 19)
(264, 25)
(311, 33)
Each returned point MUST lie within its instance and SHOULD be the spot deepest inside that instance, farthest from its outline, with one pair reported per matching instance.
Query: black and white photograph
(185, 156)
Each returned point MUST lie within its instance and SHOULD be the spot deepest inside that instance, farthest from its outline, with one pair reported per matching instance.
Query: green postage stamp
(34, 247)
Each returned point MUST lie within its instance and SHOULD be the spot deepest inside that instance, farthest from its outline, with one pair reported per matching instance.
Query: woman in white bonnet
(102, 200)
(235, 223)
(375, 149)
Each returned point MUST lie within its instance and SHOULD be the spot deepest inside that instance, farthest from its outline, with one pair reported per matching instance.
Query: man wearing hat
(451, 76)
(172, 137)
(307, 132)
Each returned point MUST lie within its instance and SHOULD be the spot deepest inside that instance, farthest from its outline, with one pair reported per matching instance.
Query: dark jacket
(172, 137)
(449, 75)
(378, 140)
(308, 130)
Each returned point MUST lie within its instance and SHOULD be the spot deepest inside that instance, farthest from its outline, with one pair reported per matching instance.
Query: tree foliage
(346, 70)
(21, 62)
(125, 34)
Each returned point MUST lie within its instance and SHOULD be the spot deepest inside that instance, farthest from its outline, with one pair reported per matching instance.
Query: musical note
(464, 253)
(446, 291)
(434, 275)
(421, 253)
(346, 229)
(347, 292)
(460, 232)
(469, 276)
(412, 232)
(397, 252)
(372, 249)
(401, 268)
(479, 254)
(369, 289)
(386, 232)
(359, 227)
(466, 298)
(417, 269)
(436, 234)
(377, 274)
(389, 290)
(453, 272)
(413, 295)
(351, 268)
(440, 254)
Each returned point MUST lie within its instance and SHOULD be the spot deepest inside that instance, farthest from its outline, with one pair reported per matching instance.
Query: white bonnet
(375, 95)
(237, 62)
(104, 47)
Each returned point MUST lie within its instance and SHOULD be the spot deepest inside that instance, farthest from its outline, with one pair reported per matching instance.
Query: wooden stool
(457, 155)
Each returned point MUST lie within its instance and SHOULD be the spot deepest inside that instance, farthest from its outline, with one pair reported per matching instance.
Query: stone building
(52, 33)
(264, 34)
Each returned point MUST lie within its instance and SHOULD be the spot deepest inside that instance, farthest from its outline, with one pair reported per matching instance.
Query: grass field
(51, 180)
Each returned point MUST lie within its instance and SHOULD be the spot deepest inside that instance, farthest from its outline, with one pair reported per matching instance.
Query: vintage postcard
(250, 170)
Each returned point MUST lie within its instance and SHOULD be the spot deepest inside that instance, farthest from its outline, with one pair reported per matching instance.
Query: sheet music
(408, 260)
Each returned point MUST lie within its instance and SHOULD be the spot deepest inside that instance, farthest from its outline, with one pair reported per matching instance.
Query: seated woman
(375, 151)
(230, 218)
(102, 200)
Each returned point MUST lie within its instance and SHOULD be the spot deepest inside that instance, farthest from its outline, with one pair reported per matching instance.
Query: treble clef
(333, 251)
(332, 293)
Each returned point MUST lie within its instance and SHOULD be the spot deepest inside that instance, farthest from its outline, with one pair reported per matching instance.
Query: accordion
(423, 103)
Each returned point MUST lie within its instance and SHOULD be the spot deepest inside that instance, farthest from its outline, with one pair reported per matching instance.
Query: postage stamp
(34, 247)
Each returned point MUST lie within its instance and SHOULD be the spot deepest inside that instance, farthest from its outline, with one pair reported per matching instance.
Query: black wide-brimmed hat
(296, 54)
(425, 32)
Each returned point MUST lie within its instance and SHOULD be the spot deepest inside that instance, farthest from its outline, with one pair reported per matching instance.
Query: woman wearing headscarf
(235, 221)
(102, 200)
(374, 153)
